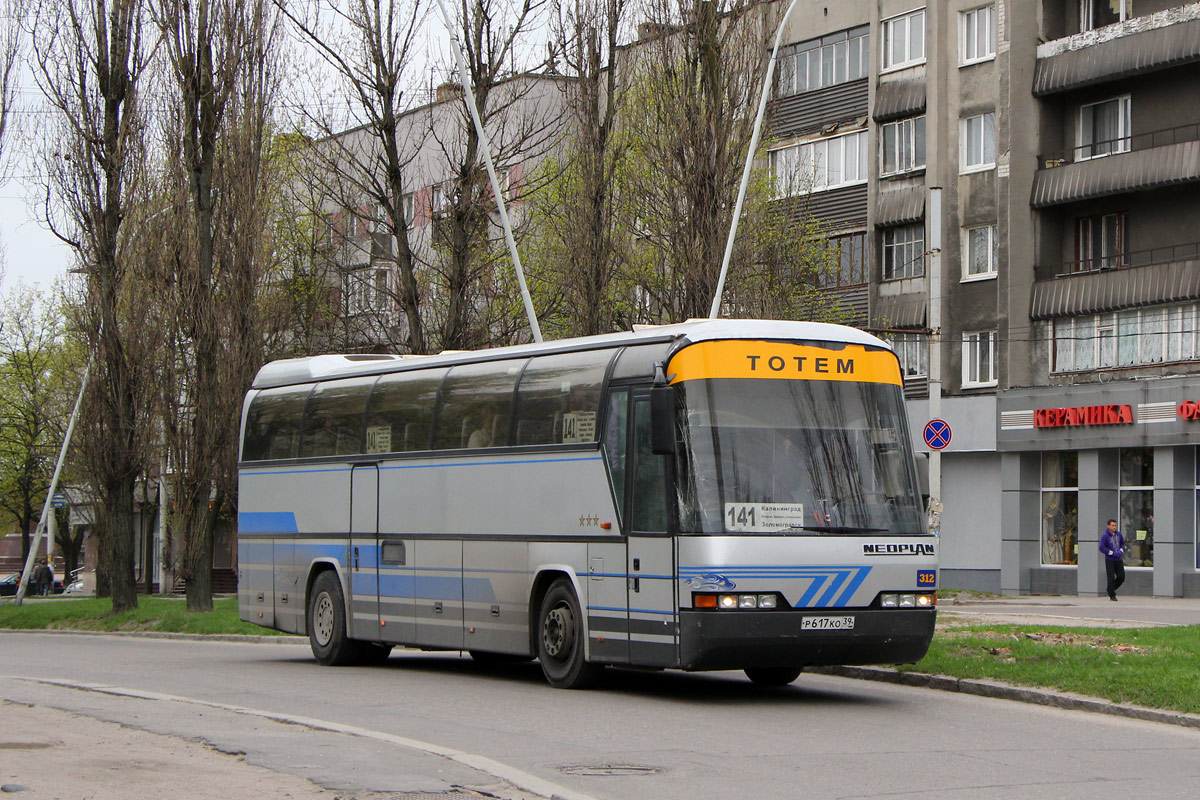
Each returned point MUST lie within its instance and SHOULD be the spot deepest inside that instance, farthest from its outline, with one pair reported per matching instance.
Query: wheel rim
(558, 632)
(323, 619)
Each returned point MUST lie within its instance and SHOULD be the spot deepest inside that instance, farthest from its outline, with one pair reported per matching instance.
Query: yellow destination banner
(780, 360)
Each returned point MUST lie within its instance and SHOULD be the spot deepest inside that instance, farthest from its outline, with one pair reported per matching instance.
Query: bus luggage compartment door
(363, 561)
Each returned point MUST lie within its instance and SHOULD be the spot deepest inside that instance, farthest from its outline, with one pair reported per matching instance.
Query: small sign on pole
(59, 501)
(937, 434)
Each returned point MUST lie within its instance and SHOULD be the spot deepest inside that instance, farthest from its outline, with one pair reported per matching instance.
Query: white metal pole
(737, 207)
(62, 454)
(935, 348)
(491, 169)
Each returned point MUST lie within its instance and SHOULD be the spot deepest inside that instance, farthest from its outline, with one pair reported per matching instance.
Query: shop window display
(1137, 505)
(1060, 508)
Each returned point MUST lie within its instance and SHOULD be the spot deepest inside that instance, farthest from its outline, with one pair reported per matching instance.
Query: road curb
(1005, 691)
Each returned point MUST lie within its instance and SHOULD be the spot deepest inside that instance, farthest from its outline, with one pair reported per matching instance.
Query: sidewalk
(1098, 612)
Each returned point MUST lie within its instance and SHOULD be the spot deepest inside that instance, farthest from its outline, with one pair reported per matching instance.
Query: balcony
(1167, 274)
(1143, 44)
(1126, 164)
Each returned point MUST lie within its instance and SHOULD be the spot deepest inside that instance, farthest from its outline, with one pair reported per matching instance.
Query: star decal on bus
(588, 521)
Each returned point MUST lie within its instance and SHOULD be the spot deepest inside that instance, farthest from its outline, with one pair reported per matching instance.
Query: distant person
(49, 577)
(41, 583)
(1112, 544)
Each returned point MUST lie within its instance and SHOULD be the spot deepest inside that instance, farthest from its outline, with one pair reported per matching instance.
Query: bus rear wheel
(327, 623)
(560, 644)
(772, 676)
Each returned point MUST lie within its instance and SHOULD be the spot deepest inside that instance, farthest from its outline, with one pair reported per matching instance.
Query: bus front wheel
(327, 623)
(772, 676)
(560, 643)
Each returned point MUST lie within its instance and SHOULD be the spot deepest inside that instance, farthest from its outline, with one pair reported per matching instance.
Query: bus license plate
(826, 623)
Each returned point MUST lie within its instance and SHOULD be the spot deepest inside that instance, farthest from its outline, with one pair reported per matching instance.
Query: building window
(903, 146)
(365, 290)
(904, 252)
(977, 35)
(408, 203)
(977, 143)
(847, 262)
(1100, 243)
(819, 165)
(913, 351)
(904, 40)
(1098, 13)
(979, 359)
(1137, 505)
(1104, 128)
(1133, 338)
(979, 252)
(1060, 508)
(830, 60)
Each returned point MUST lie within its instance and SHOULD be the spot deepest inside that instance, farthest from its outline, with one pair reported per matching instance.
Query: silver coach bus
(726, 494)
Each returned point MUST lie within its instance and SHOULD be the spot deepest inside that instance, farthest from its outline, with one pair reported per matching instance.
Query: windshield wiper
(835, 529)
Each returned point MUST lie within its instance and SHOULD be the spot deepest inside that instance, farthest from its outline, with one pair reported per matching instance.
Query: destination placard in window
(579, 426)
(379, 438)
(763, 517)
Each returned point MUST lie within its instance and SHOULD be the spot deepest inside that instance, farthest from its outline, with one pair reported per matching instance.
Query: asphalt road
(433, 722)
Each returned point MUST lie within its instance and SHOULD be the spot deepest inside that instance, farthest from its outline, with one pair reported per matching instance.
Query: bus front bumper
(710, 640)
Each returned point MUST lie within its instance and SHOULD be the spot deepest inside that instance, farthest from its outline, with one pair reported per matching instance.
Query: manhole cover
(609, 769)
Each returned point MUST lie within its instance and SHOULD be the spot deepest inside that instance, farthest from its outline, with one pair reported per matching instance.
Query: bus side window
(559, 398)
(649, 510)
(616, 437)
(273, 423)
(333, 424)
(400, 414)
(474, 404)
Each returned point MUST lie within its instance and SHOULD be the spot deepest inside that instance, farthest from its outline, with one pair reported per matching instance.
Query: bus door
(362, 560)
(651, 553)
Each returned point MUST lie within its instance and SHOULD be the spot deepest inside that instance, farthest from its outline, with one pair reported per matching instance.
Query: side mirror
(662, 421)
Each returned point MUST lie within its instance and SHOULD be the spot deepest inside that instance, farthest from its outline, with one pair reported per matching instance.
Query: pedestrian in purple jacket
(1112, 544)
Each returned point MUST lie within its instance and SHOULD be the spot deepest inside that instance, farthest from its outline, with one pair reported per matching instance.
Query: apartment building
(1052, 150)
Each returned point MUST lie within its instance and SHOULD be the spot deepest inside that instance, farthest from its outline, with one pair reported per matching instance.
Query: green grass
(161, 614)
(1153, 667)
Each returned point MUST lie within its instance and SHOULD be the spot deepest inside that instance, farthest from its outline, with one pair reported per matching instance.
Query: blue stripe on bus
(267, 522)
(246, 472)
(632, 610)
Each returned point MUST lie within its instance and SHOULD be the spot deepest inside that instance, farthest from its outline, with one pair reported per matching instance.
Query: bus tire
(772, 676)
(560, 640)
(327, 623)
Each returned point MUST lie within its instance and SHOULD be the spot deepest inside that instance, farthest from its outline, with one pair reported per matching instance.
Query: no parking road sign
(937, 434)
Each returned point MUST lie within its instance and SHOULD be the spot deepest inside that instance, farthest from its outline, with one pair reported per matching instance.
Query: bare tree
(698, 74)
(370, 45)
(582, 244)
(472, 307)
(222, 75)
(89, 62)
(10, 60)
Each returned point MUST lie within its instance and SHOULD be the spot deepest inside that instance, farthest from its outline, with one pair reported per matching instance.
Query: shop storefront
(1074, 457)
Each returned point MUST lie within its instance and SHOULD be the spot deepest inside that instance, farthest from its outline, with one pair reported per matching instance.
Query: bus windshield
(795, 456)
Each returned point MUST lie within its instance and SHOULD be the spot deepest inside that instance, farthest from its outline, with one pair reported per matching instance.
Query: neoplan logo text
(905, 549)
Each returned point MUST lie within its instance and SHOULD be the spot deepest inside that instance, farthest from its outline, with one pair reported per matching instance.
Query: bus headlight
(888, 600)
(735, 601)
(926, 600)
(908, 601)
